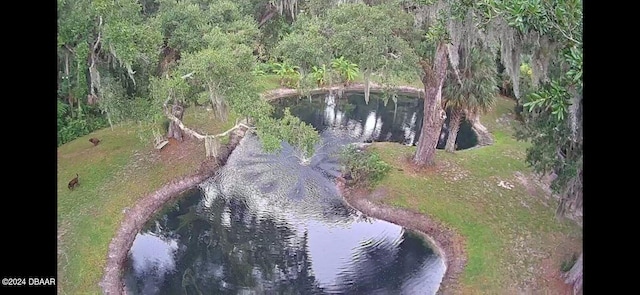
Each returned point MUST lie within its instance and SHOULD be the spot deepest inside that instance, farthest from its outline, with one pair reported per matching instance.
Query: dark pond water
(375, 121)
(266, 224)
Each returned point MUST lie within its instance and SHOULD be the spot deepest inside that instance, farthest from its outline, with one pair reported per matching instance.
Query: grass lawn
(513, 241)
(113, 176)
(512, 237)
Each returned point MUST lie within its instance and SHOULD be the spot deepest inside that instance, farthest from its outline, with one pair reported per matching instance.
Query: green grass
(204, 121)
(507, 231)
(268, 82)
(113, 176)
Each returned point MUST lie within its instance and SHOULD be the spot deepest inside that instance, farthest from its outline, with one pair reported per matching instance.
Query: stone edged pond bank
(447, 243)
(136, 217)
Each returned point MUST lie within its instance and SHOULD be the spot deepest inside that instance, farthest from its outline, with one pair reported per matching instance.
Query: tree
(305, 46)
(434, 72)
(475, 95)
(184, 23)
(105, 48)
(222, 71)
(552, 111)
(370, 37)
(221, 74)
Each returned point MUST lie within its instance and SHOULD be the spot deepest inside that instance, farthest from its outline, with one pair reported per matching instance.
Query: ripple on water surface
(265, 224)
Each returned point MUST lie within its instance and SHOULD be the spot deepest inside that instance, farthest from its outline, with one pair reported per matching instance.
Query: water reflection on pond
(266, 224)
(399, 121)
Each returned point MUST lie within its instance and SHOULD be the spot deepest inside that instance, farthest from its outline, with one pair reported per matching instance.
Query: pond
(376, 121)
(267, 224)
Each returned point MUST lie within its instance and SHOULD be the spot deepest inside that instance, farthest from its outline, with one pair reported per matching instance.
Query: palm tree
(473, 95)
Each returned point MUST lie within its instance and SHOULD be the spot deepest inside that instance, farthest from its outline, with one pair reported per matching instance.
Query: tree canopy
(122, 59)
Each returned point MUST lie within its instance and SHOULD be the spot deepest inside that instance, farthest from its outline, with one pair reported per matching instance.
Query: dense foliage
(122, 60)
(361, 167)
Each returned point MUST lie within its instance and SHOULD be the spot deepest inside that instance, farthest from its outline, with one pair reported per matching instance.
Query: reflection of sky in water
(154, 256)
(336, 239)
(336, 119)
(333, 241)
(398, 121)
(409, 129)
(347, 251)
(335, 247)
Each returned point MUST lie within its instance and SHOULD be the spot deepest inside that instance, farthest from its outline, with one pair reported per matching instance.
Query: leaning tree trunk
(434, 115)
(174, 130)
(484, 137)
(574, 276)
(454, 126)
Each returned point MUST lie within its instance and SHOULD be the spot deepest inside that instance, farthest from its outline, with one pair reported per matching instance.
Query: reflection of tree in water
(250, 171)
(250, 253)
(399, 121)
(383, 268)
(250, 230)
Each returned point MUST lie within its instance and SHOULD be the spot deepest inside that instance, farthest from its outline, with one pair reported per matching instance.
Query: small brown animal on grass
(73, 183)
(95, 141)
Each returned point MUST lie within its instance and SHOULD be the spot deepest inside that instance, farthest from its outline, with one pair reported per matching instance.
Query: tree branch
(69, 48)
(565, 35)
(194, 133)
(271, 11)
(95, 44)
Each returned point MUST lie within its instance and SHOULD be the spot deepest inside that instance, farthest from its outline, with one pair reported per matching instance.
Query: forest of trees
(122, 60)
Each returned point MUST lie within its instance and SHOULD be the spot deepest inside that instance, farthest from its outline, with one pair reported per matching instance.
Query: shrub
(362, 168)
(82, 123)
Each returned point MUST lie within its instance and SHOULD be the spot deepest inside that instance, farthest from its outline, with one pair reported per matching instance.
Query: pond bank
(136, 217)
(446, 242)
(373, 87)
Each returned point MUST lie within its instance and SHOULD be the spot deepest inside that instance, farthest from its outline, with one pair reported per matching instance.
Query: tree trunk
(574, 276)
(66, 76)
(454, 126)
(269, 11)
(94, 79)
(484, 137)
(217, 102)
(174, 130)
(434, 115)
(94, 74)
(169, 57)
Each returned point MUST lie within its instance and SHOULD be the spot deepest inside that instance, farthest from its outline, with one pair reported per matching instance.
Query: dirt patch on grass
(175, 151)
(443, 168)
(535, 185)
(445, 241)
(550, 268)
(409, 167)
(136, 217)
